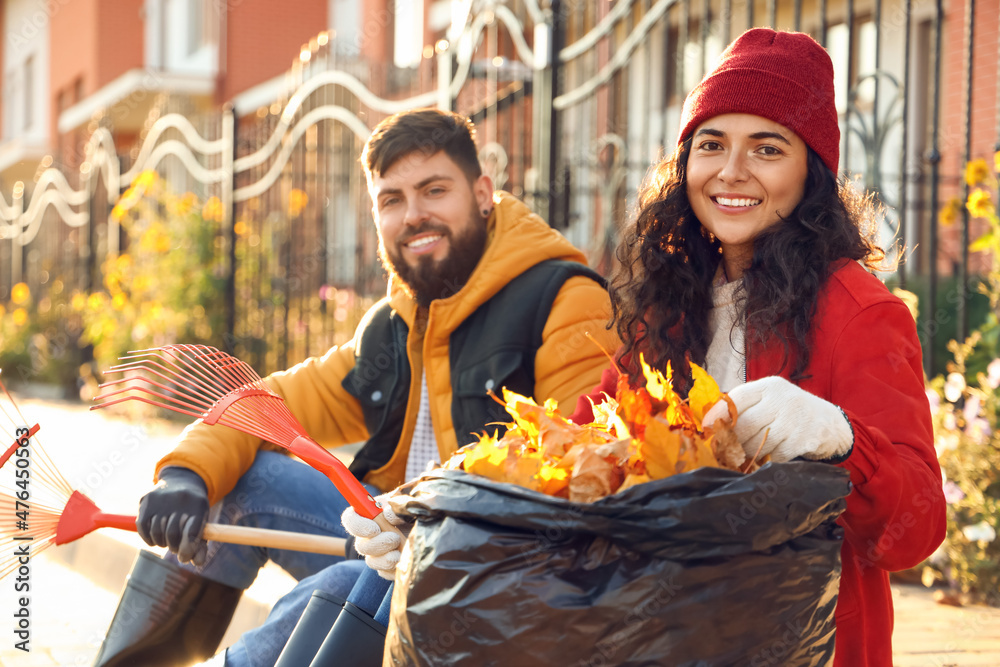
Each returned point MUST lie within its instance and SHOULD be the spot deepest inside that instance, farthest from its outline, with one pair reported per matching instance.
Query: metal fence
(573, 102)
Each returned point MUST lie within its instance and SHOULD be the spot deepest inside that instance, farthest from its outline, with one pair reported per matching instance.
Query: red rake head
(204, 382)
(81, 516)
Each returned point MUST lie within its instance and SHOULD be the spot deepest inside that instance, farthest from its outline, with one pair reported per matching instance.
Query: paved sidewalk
(75, 587)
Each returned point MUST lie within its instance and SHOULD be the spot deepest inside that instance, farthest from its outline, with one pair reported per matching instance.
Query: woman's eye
(710, 146)
(769, 150)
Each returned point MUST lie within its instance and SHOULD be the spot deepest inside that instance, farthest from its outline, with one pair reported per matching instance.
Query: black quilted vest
(494, 347)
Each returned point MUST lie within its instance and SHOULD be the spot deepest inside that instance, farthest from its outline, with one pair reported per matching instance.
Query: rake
(39, 508)
(204, 382)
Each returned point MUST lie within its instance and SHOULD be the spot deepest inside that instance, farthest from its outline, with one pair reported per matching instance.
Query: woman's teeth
(737, 202)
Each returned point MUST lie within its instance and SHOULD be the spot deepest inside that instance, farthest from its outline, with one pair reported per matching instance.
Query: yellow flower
(124, 262)
(96, 301)
(976, 172)
(241, 228)
(979, 204)
(212, 210)
(19, 294)
(118, 212)
(145, 179)
(118, 301)
(297, 201)
(184, 204)
(948, 212)
(20, 316)
(79, 301)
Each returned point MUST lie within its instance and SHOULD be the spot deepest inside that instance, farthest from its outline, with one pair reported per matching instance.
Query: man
(482, 295)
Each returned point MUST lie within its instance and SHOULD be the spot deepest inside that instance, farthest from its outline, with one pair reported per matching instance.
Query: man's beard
(430, 279)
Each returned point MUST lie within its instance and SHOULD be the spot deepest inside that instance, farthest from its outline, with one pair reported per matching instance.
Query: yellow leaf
(657, 385)
(704, 393)
(487, 458)
(632, 480)
(660, 448)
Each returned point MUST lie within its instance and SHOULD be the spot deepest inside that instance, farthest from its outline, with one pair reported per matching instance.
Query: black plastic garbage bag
(710, 567)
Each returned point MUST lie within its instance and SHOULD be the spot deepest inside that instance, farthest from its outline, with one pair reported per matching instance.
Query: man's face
(430, 224)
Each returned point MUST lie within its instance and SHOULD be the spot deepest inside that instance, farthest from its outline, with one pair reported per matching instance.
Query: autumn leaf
(643, 433)
(704, 393)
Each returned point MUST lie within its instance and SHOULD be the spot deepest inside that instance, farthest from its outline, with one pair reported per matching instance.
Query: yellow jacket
(567, 364)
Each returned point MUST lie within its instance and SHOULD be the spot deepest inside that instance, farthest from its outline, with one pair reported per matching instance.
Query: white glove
(795, 422)
(381, 550)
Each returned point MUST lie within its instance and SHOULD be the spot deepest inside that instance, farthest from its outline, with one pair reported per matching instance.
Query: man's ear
(483, 189)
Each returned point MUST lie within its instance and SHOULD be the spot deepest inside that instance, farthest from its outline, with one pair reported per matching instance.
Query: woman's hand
(792, 422)
(380, 549)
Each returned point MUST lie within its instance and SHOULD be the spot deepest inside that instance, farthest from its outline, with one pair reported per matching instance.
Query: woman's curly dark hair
(661, 294)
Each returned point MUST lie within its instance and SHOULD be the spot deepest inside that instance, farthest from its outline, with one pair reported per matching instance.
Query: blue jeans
(279, 493)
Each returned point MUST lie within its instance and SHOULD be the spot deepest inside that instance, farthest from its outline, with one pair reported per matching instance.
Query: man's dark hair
(426, 131)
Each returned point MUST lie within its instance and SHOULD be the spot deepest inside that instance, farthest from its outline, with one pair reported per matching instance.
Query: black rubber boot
(167, 617)
(314, 624)
(355, 640)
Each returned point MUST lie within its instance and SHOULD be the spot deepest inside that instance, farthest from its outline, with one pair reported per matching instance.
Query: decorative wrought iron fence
(573, 101)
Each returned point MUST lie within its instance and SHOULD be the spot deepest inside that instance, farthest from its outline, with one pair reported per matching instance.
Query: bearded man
(483, 294)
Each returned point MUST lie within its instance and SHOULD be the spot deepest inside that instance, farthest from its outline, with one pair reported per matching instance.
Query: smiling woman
(748, 257)
(744, 174)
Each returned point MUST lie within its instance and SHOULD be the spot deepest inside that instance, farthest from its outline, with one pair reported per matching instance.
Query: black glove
(173, 514)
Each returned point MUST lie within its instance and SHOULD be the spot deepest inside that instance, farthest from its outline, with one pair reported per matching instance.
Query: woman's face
(744, 173)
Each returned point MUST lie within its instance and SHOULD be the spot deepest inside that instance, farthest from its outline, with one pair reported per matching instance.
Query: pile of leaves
(642, 434)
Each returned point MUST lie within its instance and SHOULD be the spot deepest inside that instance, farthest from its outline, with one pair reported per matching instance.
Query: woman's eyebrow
(755, 136)
(770, 135)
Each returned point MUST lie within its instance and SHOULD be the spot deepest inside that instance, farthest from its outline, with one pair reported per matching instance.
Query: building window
(195, 25)
(29, 92)
(408, 37)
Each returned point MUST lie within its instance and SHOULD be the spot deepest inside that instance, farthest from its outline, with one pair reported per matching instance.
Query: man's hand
(381, 550)
(173, 514)
(794, 422)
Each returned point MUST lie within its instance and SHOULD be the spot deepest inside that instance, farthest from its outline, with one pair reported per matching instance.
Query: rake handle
(275, 539)
(256, 537)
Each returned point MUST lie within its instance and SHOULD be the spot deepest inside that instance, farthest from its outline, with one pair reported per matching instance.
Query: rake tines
(39, 508)
(204, 382)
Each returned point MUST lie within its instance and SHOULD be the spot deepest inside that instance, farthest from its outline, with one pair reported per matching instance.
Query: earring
(486, 212)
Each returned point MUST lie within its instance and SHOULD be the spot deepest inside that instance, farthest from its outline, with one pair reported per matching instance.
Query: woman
(748, 258)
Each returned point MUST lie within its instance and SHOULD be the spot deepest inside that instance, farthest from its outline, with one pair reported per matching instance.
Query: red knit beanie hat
(786, 77)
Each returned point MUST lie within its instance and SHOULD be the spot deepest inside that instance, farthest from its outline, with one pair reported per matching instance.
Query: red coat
(866, 358)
